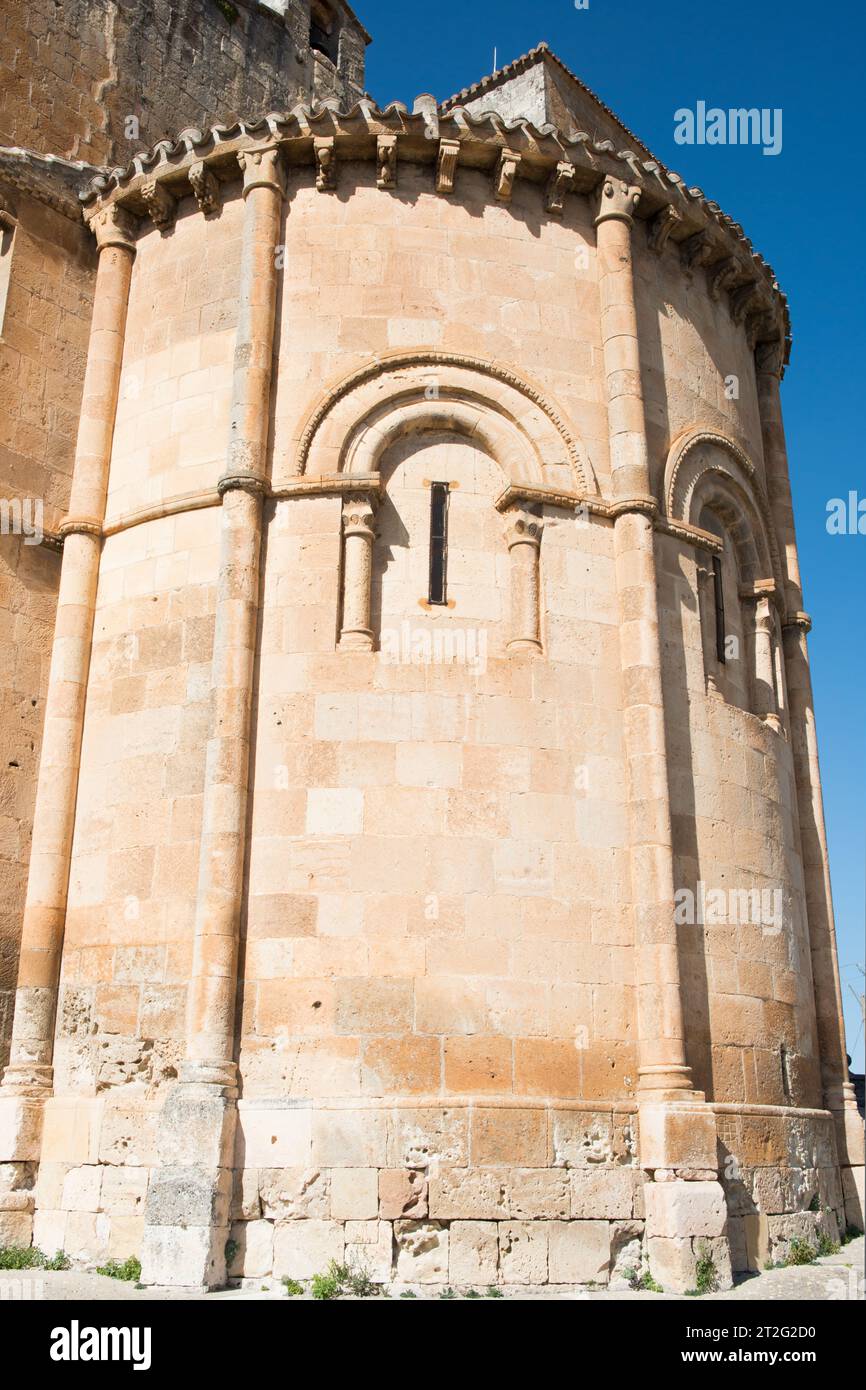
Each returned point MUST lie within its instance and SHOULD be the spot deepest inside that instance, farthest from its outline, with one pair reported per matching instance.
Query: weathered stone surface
(402, 1194)
(422, 1252)
(579, 1252)
(473, 1252)
(305, 1248)
(523, 1251)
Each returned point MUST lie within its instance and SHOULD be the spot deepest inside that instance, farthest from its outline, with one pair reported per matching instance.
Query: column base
(187, 1213)
(359, 640)
(687, 1236)
(524, 644)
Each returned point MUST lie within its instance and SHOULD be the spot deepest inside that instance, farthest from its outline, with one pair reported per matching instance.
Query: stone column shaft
(30, 1069)
(359, 534)
(663, 1065)
(213, 988)
(766, 704)
(523, 534)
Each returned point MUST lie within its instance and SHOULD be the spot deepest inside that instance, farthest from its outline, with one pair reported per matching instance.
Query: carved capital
(770, 357)
(386, 161)
(206, 187)
(506, 173)
(160, 204)
(446, 165)
(522, 527)
(114, 226)
(261, 168)
(560, 183)
(326, 162)
(660, 227)
(359, 515)
(79, 526)
(617, 199)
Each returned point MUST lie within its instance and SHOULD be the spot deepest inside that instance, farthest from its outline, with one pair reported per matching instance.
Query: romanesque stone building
(428, 864)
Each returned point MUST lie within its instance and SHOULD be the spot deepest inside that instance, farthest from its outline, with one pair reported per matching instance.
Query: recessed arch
(510, 417)
(706, 470)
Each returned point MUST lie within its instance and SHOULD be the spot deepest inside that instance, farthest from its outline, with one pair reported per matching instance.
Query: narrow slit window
(719, 595)
(438, 591)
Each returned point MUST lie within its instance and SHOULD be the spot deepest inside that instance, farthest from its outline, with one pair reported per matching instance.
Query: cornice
(323, 140)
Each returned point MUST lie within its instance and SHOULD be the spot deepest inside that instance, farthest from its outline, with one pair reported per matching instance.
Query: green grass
(648, 1283)
(293, 1288)
(800, 1252)
(340, 1280)
(31, 1257)
(129, 1271)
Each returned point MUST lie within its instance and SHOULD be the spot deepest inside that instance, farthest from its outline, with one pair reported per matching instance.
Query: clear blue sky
(803, 209)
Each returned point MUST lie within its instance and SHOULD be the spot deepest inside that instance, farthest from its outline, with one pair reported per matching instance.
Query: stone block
(354, 1194)
(685, 1209)
(197, 1129)
(523, 1251)
(253, 1252)
(129, 1134)
(184, 1256)
(349, 1139)
(604, 1193)
(473, 1252)
(853, 1191)
(677, 1136)
(509, 1137)
(49, 1230)
(16, 1228)
(468, 1194)
(402, 1194)
(125, 1237)
(422, 1252)
(82, 1188)
(305, 1248)
(538, 1192)
(273, 1136)
(71, 1130)
(374, 1254)
(579, 1252)
(292, 1193)
(20, 1129)
(189, 1196)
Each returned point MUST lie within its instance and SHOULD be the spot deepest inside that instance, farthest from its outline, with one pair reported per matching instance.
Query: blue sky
(803, 209)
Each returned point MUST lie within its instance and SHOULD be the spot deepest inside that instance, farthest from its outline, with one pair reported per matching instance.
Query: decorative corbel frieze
(697, 250)
(114, 226)
(758, 325)
(206, 187)
(560, 183)
(617, 199)
(660, 227)
(506, 173)
(386, 161)
(161, 205)
(743, 298)
(720, 274)
(326, 162)
(446, 165)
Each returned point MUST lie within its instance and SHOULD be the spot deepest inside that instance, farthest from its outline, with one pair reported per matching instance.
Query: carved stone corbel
(386, 160)
(446, 165)
(161, 205)
(617, 199)
(326, 162)
(261, 167)
(506, 173)
(660, 227)
(560, 183)
(206, 187)
(743, 298)
(770, 356)
(697, 250)
(719, 275)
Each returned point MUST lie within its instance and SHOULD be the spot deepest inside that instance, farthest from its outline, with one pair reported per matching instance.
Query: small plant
(59, 1260)
(472, 1293)
(448, 1293)
(129, 1270)
(648, 1283)
(361, 1285)
(814, 1205)
(826, 1246)
(21, 1257)
(800, 1252)
(850, 1234)
(325, 1286)
(493, 1292)
(231, 1251)
(706, 1275)
(407, 1293)
(292, 1288)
